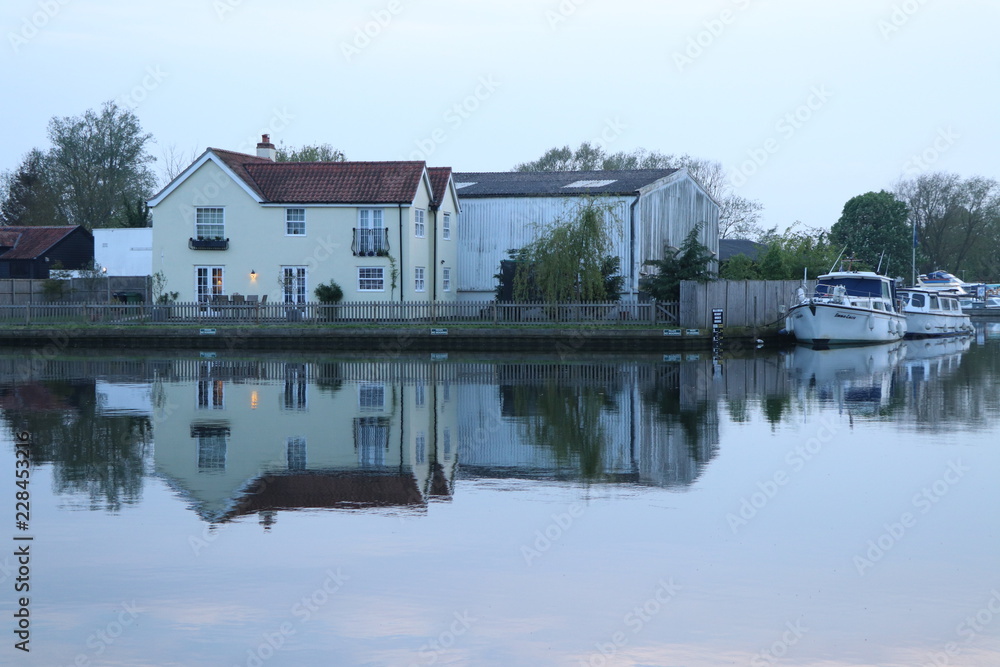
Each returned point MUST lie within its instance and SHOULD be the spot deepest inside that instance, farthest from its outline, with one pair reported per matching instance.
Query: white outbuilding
(647, 210)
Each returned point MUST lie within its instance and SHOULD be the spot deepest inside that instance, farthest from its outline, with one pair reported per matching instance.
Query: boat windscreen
(854, 286)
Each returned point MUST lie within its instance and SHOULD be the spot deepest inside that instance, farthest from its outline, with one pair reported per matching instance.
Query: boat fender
(871, 321)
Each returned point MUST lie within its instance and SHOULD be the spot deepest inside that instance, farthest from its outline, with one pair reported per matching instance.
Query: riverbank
(383, 339)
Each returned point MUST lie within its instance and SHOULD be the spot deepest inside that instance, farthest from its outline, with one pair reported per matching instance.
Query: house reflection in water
(257, 437)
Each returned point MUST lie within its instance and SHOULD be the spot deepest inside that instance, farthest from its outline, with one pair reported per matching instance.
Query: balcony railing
(208, 244)
(370, 242)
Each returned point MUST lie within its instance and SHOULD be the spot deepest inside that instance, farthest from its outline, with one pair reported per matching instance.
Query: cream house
(237, 223)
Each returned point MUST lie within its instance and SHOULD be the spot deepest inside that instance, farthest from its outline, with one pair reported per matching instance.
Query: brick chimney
(266, 149)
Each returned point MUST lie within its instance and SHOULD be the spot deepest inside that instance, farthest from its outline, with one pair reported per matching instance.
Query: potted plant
(329, 295)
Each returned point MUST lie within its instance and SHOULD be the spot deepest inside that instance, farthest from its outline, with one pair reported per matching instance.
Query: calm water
(801, 508)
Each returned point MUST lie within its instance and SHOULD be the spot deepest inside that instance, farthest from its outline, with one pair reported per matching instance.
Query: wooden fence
(99, 289)
(745, 303)
(413, 312)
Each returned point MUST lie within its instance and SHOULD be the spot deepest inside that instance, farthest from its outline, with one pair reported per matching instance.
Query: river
(763, 507)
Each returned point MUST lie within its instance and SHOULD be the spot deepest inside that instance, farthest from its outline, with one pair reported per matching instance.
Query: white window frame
(204, 229)
(212, 287)
(371, 223)
(371, 396)
(446, 279)
(297, 222)
(296, 289)
(419, 280)
(419, 223)
(371, 278)
(446, 227)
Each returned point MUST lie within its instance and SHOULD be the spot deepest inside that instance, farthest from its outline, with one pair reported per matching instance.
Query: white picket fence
(411, 312)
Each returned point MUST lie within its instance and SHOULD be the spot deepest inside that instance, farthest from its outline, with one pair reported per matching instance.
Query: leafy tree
(136, 214)
(28, 198)
(566, 262)
(957, 222)
(771, 265)
(309, 153)
(739, 267)
(739, 217)
(874, 229)
(692, 261)
(98, 161)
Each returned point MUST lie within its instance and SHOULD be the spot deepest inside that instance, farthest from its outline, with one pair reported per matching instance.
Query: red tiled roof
(237, 162)
(32, 242)
(337, 182)
(439, 183)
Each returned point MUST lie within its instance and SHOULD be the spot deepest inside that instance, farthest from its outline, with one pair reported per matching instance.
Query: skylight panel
(589, 184)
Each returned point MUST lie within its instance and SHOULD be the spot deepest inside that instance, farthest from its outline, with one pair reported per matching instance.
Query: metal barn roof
(556, 183)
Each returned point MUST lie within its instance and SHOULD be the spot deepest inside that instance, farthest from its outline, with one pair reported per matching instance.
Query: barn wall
(490, 227)
(666, 215)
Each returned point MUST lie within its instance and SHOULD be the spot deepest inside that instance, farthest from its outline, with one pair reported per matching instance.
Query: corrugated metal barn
(650, 208)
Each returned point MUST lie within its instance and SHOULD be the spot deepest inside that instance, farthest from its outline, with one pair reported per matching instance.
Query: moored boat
(933, 313)
(847, 308)
(941, 281)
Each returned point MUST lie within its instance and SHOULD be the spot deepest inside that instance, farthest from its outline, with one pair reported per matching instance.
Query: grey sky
(807, 103)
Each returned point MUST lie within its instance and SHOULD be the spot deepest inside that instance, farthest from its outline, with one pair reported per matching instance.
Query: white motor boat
(941, 281)
(933, 313)
(847, 308)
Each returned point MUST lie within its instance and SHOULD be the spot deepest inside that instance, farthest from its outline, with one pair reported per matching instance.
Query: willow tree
(567, 262)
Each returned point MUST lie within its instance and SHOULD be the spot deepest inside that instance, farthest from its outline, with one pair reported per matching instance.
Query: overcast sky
(806, 103)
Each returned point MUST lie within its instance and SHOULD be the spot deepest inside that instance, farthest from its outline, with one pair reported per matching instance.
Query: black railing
(208, 244)
(370, 242)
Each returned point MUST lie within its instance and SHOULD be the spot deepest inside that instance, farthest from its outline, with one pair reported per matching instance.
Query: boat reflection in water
(857, 379)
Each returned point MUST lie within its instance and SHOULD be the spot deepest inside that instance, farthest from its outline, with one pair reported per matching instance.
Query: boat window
(879, 305)
(934, 302)
(854, 286)
(917, 300)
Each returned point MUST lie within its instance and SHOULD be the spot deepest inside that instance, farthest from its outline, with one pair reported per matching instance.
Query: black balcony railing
(208, 244)
(370, 242)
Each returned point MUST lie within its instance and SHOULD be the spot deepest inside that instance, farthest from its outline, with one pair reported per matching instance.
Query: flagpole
(913, 277)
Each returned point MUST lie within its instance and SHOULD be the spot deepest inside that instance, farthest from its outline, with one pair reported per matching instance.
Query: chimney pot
(266, 149)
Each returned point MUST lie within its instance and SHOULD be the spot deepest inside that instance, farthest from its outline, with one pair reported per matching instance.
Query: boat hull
(833, 324)
(924, 325)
